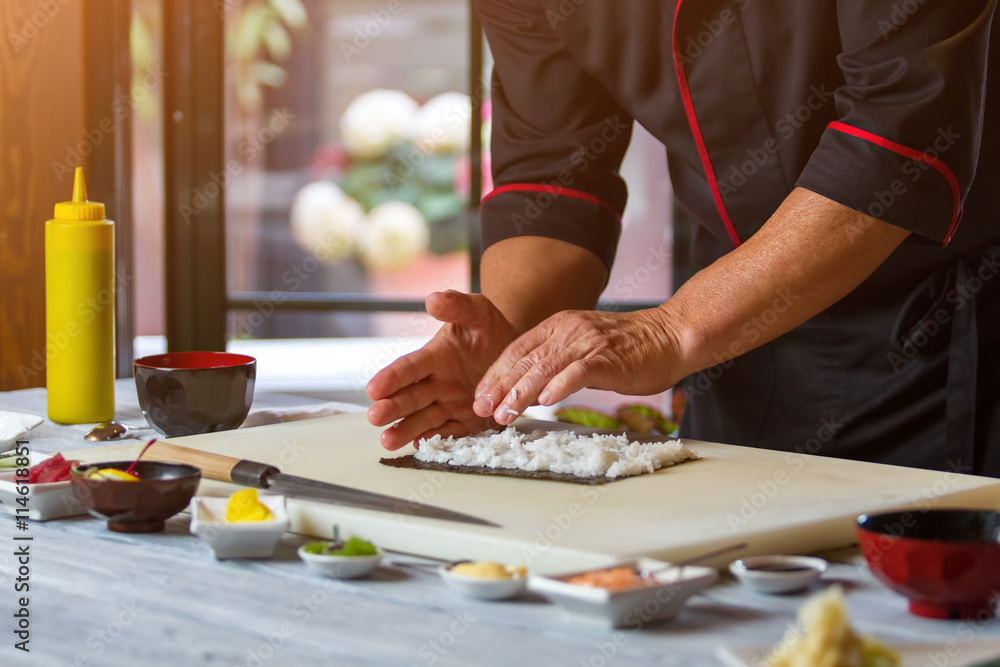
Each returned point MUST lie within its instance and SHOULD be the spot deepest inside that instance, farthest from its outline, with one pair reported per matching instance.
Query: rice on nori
(559, 452)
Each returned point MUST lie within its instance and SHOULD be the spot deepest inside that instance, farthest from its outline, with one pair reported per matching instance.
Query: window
(343, 183)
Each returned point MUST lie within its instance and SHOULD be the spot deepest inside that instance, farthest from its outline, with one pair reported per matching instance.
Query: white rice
(610, 456)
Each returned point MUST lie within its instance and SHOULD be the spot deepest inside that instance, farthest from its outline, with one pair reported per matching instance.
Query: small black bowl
(187, 393)
(163, 490)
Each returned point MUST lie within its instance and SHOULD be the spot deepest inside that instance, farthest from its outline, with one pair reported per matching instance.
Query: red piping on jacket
(554, 190)
(706, 161)
(905, 151)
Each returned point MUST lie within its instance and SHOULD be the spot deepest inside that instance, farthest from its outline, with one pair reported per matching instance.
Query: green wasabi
(353, 547)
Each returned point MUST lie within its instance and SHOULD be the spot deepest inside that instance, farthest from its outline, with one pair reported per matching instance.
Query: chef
(842, 161)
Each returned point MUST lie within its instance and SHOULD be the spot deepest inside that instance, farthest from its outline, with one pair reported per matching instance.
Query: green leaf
(277, 41)
(270, 74)
(292, 12)
(438, 206)
(437, 171)
(587, 417)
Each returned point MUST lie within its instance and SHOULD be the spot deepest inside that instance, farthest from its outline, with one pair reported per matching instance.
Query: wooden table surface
(102, 598)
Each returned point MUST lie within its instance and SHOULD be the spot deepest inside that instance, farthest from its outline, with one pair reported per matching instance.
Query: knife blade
(263, 476)
(311, 489)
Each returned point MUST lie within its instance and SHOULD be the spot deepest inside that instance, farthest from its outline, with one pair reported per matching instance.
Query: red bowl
(945, 562)
(187, 393)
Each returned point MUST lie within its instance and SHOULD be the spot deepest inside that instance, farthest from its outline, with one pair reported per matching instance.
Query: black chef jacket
(890, 107)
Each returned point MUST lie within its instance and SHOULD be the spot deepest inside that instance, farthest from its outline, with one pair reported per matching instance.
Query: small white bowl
(341, 567)
(240, 539)
(776, 575)
(634, 607)
(15, 426)
(54, 500)
(483, 589)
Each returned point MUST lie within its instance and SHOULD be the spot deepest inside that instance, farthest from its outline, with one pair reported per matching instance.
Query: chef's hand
(430, 391)
(631, 353)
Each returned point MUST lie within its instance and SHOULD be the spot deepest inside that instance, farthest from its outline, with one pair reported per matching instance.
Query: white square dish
(15, 426)
(244, 539)
(54, 500)
(633, 607)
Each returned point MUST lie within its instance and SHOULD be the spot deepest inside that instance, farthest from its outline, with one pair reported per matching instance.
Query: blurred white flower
(325, 221)
(395, 234)
(442, 125)
(375, 121)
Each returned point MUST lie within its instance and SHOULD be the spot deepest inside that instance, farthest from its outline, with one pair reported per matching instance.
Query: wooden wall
(65, 101)
(42, 114)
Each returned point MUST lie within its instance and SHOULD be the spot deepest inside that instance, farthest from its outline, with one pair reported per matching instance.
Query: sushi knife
(264, 476)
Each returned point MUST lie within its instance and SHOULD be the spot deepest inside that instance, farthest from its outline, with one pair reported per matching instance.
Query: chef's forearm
(810, 254)
(530, 278)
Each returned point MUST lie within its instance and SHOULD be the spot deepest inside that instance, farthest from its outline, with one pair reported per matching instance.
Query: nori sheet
(413, 463)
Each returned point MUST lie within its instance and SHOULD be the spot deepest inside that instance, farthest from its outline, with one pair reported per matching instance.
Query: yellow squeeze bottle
(80, 310)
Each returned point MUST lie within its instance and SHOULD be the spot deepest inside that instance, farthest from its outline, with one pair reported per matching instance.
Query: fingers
(409, 429)
(514, 353)
(458, 308)
(576, 376)
(401, 404)
(522, 386)
(414, 398)
(401, 373)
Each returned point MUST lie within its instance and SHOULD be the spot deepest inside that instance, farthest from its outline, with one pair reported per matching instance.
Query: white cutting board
(778, 504)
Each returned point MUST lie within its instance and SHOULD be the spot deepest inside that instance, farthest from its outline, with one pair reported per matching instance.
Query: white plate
(340, 567)
(777, 582)
(633, 607)
(911, 654)
(484, 589)
(54, 500)
(15, 426)
(241, 539)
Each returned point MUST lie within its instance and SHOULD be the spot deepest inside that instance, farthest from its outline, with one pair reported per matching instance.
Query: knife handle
(213, 466)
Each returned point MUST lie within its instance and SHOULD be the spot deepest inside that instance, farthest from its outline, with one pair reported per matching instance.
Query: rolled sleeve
(906, 144)
(557, 142)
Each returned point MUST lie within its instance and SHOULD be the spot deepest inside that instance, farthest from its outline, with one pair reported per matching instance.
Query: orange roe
(615, 578)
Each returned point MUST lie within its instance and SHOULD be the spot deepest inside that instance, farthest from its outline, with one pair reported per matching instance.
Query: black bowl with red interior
(188, 393)
(945, 562)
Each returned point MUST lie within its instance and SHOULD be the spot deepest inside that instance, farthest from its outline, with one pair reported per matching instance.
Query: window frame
(197, 299)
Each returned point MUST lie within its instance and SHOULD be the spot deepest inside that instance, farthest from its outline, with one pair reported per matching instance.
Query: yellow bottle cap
(79, 208)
